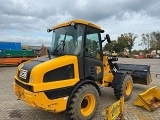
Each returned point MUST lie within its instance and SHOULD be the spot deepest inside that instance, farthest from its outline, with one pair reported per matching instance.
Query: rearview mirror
(108, 38)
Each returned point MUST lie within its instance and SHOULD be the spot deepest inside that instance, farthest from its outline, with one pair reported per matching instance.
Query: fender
(118, 79)
(80, 83)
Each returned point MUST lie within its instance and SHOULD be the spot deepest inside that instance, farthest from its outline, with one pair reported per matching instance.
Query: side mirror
(108, 38)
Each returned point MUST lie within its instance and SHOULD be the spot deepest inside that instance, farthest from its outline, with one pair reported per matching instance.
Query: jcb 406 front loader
(70, 76)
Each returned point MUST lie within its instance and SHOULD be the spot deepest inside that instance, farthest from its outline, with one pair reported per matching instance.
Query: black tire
(84, 103)
(126, 88)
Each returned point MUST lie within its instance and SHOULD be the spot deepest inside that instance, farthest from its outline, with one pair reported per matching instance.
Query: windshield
(67, 40)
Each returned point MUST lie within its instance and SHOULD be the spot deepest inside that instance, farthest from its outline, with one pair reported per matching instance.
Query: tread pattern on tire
(74, 107)
(121, 92)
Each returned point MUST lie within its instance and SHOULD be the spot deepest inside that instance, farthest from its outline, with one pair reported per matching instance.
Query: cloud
(100, 9)
(27, 39)
(19, 17)
(35, 12)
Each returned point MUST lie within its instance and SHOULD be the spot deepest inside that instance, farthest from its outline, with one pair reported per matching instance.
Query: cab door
(93, 54)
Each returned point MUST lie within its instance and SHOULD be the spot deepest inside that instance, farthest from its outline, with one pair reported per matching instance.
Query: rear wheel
(84, 103)
(126, 88)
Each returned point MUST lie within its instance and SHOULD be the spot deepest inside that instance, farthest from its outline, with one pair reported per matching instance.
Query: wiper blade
(58, 48)
(62, 43)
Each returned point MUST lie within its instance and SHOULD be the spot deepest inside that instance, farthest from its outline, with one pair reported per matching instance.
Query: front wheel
(126, 88)
(84, 103)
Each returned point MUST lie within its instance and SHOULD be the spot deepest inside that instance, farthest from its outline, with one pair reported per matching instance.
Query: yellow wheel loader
(68, 78)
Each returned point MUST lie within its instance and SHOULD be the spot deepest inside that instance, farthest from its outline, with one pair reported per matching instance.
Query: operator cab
(77, 38)
(81, 39)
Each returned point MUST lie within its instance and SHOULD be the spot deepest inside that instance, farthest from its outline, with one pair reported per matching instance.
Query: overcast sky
(26, 21)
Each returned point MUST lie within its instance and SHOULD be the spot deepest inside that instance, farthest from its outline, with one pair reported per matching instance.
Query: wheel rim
(128, 87)
(88, 104)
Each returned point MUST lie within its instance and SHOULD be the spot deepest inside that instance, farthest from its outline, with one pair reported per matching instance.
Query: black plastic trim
(58, 93)
(27, 87)
(81, 67)
(62, 73)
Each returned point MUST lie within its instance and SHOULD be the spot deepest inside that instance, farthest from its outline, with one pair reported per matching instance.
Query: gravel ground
(11, 109)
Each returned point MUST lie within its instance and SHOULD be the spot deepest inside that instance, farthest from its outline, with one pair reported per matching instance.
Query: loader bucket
(140, 73)
(150, 99)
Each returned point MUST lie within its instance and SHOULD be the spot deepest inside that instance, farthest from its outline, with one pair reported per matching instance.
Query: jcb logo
(23, 73)
(98, 69)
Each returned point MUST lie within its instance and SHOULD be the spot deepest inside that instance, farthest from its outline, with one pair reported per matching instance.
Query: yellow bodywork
(150, 99)
(37, 73)
(37, 98)
(77, 21)
(107, 74)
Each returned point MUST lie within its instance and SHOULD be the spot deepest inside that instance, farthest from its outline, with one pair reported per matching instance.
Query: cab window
(92, 46)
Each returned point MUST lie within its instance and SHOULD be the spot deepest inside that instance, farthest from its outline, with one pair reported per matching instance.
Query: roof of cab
(76, 21)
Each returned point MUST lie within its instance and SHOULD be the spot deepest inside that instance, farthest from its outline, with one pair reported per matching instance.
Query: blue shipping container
(10, 45)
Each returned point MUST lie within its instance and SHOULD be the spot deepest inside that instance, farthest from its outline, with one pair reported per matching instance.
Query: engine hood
(36, 69)
(24, 70)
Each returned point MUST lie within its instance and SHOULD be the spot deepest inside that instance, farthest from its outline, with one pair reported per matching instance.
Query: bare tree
(146, 41)
(155, 41)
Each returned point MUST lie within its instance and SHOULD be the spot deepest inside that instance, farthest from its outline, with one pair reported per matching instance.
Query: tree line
(149, 42)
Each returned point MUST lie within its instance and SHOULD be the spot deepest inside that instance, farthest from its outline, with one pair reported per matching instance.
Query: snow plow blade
(149, 100)
(140, 73)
